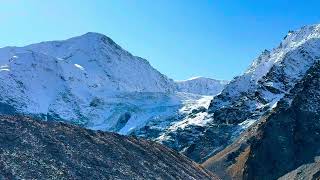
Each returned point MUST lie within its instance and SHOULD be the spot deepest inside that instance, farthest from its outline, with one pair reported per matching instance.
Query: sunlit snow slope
(91, 81)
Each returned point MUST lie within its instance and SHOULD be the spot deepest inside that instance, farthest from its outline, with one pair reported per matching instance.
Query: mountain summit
(91, 81)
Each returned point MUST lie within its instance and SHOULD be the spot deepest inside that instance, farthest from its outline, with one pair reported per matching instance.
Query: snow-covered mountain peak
(93, 34)
(96, 39)
(300, 36)
(201, 85)
(292, 40)
(192, 78)
(105, 65)
(200, 78)
(75, 79)
(88, 44)
(253, 94)
(89, 36)
(290, 60)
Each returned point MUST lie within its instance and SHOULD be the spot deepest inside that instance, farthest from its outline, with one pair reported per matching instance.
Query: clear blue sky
(181, 38)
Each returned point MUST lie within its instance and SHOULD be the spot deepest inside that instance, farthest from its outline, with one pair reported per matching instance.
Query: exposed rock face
(308, 171)
(199, 148)
(32, 149)
(280, 142)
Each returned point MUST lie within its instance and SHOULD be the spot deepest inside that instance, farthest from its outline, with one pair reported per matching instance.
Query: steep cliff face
(280, 142)
(33, 149)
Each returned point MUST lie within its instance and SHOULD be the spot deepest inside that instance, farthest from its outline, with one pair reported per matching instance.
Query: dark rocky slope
(284, 141)
(32, 149)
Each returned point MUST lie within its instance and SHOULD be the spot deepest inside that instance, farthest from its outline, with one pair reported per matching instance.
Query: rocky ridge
(250, 96)
(283, 143)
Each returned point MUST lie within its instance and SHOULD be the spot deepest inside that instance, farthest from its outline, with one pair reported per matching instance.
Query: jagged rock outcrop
(34, 149)
(285, 141)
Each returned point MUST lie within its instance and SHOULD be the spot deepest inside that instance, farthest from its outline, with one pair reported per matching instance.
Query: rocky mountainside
(272, 75)
(249, 96)
(33, 149)
(202, 86)
(285, 142)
